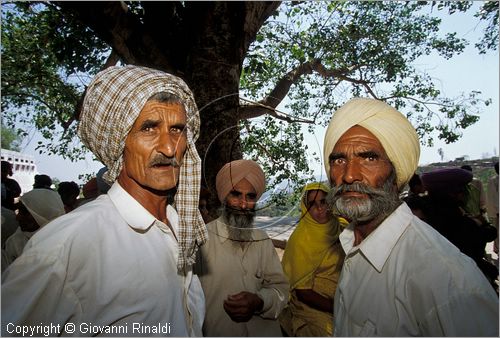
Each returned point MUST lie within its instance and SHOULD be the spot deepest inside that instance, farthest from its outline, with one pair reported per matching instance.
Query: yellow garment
(299, 319)
(390, 127)
(312, 260)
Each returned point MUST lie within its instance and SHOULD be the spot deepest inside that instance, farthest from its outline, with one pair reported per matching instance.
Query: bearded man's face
(363, 180)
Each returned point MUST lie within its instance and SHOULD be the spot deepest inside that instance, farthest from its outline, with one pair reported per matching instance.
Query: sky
(464, 73)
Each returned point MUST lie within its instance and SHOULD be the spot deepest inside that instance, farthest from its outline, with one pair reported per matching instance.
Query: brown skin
(352, 148)
(242, 306)
(158, 130)
(320, 213)
(315, 300)
(317, 207)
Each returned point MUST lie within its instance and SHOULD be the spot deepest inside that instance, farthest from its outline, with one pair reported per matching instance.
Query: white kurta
(405, 279)
(227, 270)
(108, 267)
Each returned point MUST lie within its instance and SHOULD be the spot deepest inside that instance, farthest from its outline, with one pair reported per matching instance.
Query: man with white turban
(36, 208)
(239, 269)
(400, 276)
(122, 264)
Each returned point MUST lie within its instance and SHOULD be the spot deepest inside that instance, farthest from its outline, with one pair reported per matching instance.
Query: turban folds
(113, 101)
(43, 204)
(396, 134)
(233, 172)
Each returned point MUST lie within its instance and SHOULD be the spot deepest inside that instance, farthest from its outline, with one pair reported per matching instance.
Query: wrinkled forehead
(360, 139)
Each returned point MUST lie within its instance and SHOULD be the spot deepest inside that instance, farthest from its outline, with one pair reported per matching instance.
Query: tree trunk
(205, 43)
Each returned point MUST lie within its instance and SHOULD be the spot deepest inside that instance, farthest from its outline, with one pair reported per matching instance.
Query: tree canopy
(11, 140)
(259, 70)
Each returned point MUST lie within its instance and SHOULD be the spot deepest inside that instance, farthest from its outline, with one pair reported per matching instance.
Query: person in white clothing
(239, 269)
(400, 276)
(121, 265)
(35, 209)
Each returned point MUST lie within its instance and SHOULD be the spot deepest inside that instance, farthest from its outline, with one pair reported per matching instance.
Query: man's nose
(352, 172)
(166, 144)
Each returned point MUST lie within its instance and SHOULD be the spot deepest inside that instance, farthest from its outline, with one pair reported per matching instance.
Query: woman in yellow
(312, 262)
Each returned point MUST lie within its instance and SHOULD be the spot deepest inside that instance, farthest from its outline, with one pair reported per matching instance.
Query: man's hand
(242, 306)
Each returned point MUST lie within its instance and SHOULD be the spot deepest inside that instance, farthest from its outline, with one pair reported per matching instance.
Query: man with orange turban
(400, 277)
(240, 272)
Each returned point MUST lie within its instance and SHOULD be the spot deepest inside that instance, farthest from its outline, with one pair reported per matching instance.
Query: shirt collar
(379, 244)
(136, 216)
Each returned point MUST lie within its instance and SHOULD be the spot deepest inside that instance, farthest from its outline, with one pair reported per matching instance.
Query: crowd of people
(140, 255)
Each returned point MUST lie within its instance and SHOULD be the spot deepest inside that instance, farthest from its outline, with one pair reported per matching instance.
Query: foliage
(46, 60)
(361, 49)
(287, 204)
(342, 49)
(11, 140)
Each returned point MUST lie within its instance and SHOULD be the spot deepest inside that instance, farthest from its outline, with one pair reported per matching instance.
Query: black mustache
(164, 160)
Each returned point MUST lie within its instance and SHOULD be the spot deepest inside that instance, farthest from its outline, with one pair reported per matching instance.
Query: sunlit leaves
(47, 59)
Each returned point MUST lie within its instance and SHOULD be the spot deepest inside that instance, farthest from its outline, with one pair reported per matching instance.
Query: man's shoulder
(430, 255)
(83, 222)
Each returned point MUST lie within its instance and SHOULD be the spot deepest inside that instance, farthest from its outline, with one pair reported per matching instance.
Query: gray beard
(381, 202)
(239, 225)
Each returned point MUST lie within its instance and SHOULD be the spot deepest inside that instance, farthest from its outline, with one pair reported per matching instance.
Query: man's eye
(251, 196)
(338, 161)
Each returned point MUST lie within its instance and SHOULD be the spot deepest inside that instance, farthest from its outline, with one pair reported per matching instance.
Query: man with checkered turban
(122, 264)
(400, 277)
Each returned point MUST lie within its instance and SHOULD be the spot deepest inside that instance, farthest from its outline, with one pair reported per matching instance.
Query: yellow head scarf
(309, 242)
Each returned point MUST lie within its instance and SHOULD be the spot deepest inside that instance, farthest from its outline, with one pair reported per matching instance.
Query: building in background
(23, 167)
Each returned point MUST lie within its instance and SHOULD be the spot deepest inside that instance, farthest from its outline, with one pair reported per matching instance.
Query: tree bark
(204, 43)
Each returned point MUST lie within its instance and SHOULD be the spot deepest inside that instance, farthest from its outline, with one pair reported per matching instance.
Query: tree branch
(113, 23)
(273, 99)
(258, 109)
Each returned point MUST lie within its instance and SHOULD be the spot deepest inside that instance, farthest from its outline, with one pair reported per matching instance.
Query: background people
(36, 208)
(448, 191)
(493, 204)
(10, 185)
(312, 262)
(69, 192)
(239, 269)
(42, 181)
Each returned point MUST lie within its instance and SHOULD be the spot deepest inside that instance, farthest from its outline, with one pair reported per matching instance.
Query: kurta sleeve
(34, 293)
(274, 291)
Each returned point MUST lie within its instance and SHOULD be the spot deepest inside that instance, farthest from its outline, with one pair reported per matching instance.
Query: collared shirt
(226, 269)
(405, 279)
(108, 267)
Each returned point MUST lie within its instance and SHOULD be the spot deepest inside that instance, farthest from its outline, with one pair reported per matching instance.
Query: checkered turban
(390, 127)
(113, 101)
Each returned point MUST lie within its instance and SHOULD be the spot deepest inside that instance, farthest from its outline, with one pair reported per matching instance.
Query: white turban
(396, 134)
(233, 172)
(43, 204)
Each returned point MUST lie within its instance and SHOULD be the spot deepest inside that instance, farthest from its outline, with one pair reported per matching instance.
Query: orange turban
(233, 172)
